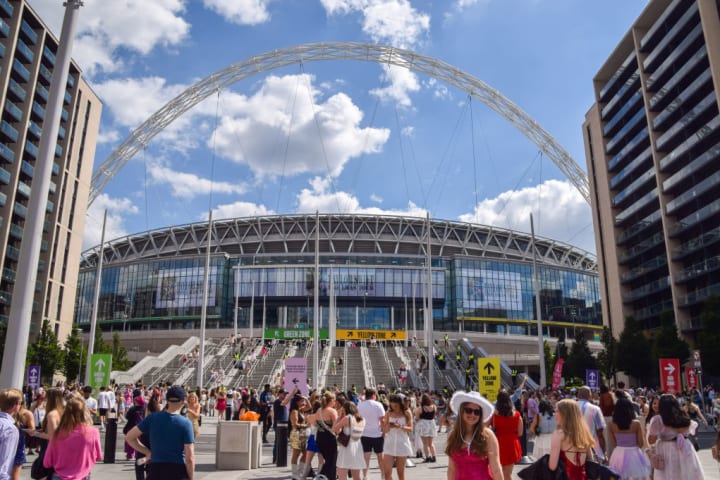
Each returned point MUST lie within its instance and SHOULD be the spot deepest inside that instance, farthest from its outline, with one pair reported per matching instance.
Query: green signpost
(294, 333)
(100, 366)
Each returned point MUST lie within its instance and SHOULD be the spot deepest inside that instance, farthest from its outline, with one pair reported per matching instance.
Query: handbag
(599, 471)
(38, 470)
(540, 470)
(342, 437)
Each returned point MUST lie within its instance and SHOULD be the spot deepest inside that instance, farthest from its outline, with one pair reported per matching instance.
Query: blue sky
(344, 136)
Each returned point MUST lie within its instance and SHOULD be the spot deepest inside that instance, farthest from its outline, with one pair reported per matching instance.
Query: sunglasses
(473, 411)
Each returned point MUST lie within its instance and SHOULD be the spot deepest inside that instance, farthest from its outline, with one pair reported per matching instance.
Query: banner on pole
(592, 379)
(100, 366)
(670, 375)
(691, 377)
(489, 377)
(33, 376)
(557, 373)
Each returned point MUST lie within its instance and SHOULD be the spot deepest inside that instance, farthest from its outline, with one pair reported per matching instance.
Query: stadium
(372, 269)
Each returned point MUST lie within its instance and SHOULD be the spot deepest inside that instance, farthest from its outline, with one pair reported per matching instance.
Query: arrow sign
(393, 335)
(488, 380)
(489, 368)
(100, 366)
(670, 375)
(591, 379)
(295, 381)
(33, 376)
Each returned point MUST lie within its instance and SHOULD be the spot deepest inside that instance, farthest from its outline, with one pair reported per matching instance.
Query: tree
(119, 354)
(100, 345)
(709, 338)
(667, 343)
(634, 352)
(607, 358)
(75, 356)
(549, 363)
(580, 357)
(46, 352)
(561, 350)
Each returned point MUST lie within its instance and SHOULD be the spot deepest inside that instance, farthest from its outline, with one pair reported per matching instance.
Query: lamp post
(365, 310)
(82, 346)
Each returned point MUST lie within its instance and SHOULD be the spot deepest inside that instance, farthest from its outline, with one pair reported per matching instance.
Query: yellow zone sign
(489, 377)
(368, 334)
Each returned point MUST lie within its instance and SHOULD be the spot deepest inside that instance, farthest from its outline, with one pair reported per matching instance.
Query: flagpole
(538, 309)
(96, 303)
(316, 305)
(203, 311)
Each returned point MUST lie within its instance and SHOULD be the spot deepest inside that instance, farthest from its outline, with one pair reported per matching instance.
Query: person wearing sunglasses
(472, 448)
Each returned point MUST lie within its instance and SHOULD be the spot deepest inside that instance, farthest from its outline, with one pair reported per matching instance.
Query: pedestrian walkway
(205, 463)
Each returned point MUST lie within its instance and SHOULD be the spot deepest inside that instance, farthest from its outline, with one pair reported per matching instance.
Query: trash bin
(281, 443)
(110, 440)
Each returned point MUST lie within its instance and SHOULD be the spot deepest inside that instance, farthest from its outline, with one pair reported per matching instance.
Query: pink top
(73, 456)
(469, 466)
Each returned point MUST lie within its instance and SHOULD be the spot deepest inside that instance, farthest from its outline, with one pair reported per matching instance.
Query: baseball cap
(282, 390)
(175, 394)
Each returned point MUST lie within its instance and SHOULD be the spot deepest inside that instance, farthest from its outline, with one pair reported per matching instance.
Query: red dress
(575, 471)
(506, 433)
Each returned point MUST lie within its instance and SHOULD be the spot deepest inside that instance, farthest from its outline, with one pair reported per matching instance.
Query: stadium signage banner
(492, 289)
(380, 335)
(183, 287)
(294, 333)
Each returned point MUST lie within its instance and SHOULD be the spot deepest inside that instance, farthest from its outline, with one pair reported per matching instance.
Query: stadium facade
(371, 267)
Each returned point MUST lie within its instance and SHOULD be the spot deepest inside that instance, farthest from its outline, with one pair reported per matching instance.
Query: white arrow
(669, 368)
(100, 364)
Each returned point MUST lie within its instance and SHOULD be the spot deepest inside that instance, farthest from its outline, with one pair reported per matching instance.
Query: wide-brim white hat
(461, 397)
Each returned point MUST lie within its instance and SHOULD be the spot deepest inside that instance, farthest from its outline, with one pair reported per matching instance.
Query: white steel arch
(312, 52)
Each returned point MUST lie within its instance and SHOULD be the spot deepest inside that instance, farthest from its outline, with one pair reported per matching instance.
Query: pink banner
(296, 375)
(557, 373)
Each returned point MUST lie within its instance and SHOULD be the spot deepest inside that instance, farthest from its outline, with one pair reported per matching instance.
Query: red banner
(691, 376)
(670, 375)
(557, 373)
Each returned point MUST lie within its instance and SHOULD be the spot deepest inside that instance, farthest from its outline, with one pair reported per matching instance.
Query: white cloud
(376, 198)
(319, 198)
(440, 90)
(108, 136)
(262, 132)
(239, 210)
(401, 83)
(386, 21)
(241, 12)
(559, 212)
(188, 185)
(408, 131)
(104, 27)
(117, 209)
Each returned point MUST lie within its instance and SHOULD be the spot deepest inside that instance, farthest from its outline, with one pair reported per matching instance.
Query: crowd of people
(638, 433)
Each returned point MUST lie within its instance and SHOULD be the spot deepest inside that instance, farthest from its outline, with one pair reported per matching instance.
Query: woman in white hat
(472, 450)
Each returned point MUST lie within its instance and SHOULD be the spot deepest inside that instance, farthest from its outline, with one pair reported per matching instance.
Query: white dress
(352, 456)
(541, 444)
(681, 460)
(397, 440)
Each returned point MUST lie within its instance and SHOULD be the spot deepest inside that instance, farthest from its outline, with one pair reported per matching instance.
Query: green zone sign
(100, 366)
(294, 333)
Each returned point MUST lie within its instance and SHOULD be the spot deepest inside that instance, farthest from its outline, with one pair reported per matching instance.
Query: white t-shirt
(105, 400)
(91, 404)
(372, 411)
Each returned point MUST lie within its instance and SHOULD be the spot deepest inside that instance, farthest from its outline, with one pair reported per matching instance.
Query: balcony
(45, 74)
(642, 247)
(67, 98)
(711, 264)
(695, 218)
(13, 110)
(687, 125)
(55, 169)
(696, 63)
(38, 110)
(58, 151)
(22, 72)
(28, 32)
(27, 169)
(24, 51)
(646, 268)
(16, 231)
(12, 253)
(23, 189)
(709, 184)
(690, 144)
(9, 132)
(49, 56)
(683, 52)
(3, 50)
(64, 115)
(647, 289)
(6, 153)
(701, 242)
(4, 176)
(61, 133)
(71, 81)
(9, 275)
(669, 38)
(42, 92)
(4, 28)
(700, 295)
(702, 82)
(34, 130)
(20, 210)
(639, 161)
(5, 297)
(6, 8)
(17, 90)
(3, 199)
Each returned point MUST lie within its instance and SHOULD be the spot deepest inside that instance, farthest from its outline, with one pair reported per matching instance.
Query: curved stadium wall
(374, 265)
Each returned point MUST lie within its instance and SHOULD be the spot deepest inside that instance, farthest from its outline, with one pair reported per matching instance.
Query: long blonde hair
(54, 402)
(574, 426)
(456, 437)
(75, 414)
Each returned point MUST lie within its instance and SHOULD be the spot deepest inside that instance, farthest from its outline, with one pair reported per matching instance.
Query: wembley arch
(313, 52)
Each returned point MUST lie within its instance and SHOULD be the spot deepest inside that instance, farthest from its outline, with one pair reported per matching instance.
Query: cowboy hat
(461, 397)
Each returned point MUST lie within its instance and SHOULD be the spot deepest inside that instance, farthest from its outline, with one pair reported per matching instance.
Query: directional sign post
(296, 375)
(592, 379)
(33, 376)
(100, 367)
(670, 375)
(489, 377)
(691, 377)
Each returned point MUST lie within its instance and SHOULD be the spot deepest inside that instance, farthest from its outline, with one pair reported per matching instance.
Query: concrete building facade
(652, 143)
(27, 59)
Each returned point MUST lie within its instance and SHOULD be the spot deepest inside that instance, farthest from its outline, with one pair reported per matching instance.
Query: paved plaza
(205, 462)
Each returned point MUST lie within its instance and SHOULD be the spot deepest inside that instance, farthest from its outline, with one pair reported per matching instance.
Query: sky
(344, 136)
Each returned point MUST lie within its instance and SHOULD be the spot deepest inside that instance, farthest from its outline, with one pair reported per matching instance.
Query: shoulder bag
(342, 437)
